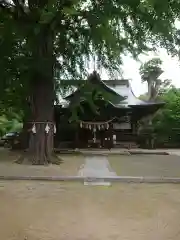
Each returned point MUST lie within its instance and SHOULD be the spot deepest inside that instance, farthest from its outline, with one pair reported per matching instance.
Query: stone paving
(124, 151)
(96, 167)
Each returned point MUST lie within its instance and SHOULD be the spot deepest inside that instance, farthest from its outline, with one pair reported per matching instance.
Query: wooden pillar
(111, 135)
(134, 127)
(101, 139)
(77, 137)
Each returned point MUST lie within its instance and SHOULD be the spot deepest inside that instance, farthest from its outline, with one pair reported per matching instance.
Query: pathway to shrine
(96, 167)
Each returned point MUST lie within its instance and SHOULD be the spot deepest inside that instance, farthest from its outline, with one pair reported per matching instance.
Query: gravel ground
(146, 165)
(74, 165)
(66, 211)
(70, 166)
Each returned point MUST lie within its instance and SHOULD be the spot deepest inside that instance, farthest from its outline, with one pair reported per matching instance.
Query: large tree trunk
(42, 134)
(42, 102)
(41, 126)
(150, 84)
(24, 135)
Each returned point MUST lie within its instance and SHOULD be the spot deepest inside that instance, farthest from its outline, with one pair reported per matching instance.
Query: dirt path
(56, 211)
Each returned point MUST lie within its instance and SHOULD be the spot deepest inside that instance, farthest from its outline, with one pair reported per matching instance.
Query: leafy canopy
(79, 30)
(151, 70)
(169, 117)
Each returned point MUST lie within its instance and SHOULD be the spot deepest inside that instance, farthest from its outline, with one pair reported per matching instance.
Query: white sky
(171, 67)
(130, 68)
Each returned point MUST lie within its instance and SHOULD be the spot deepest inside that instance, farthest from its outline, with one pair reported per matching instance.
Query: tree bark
(42, 102)
(42, 133)
(150, 83)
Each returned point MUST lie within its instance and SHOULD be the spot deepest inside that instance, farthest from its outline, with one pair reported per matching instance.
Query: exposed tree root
(27, 158)
(56, 159)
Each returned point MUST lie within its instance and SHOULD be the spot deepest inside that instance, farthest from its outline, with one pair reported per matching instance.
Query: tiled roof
(121, 88)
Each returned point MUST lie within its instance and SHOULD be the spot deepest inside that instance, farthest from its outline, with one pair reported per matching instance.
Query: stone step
(128, 145)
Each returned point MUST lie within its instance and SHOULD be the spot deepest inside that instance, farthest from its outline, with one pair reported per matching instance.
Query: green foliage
(9, 125)
(163, 88)
(151, 70)
(75, 31)
(144, 97)
(167, 120)
(169, 117)
(165, 123)
(150, 73)
(91, 91)
(82, 29)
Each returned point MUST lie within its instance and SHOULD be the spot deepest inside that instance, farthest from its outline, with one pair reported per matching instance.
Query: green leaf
(70, 11)
(46, 17)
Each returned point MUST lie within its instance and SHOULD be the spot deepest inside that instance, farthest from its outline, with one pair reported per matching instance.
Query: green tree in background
(38, 36)
(9, 125)
(157, 89)
(163, 87)
(167, 121)
(150, 73)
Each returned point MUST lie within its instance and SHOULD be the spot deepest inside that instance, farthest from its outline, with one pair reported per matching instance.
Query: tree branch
(21, 8)
(18, 5)
(5, 4)
(16, 10)
(7, 7)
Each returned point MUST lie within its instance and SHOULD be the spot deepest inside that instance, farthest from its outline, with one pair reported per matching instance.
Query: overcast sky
(171, 67)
